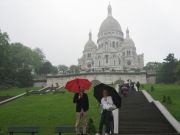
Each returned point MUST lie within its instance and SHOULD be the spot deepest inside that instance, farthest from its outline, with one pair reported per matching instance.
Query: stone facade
(113, 51)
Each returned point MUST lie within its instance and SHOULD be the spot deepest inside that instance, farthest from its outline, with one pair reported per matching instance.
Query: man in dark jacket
(138, 86)
(82, 106)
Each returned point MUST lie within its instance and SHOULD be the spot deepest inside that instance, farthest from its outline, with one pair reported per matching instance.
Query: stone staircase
(139, 117)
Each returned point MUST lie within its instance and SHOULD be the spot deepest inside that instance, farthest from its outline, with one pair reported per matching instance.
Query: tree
(40, 54)
(5, 66)
(17, 62)
(54, 70)
(170, 68)
(178, 71)
(167, 71)
(74, 69)
(152, 66)
(62, 68)
(21, 55)
(47, 68)
(24, 77)
(38, 59)
(4, 49)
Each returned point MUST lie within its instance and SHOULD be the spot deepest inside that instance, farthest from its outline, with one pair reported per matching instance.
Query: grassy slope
(46, 111)
(15, 91)
(171, 90)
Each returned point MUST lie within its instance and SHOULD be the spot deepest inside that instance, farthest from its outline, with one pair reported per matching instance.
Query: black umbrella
(98, 93)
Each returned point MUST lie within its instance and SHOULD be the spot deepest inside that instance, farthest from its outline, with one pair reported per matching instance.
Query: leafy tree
(17, 62)
(152, 66)
(5, 70)
(170, 68)
(24, 77)
(47, 68)
(74, 69)
(4, 49)
(178, 71)
(54, 70)
(62, 68)
(39, 59)
(21, 55)
(167, 71)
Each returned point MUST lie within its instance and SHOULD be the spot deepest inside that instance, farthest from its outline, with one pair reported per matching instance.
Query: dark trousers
(107, 120)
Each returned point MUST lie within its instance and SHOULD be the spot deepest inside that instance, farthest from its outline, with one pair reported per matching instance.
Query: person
(138, 85)
(106, 115)
(125, 90)
(132, 85)
(82, 106)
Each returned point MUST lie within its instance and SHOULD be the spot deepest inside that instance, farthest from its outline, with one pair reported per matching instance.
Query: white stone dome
(110, 23)
(128, 42)
(90, 44)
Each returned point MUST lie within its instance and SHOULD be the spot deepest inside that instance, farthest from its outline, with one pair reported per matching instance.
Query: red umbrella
(76, 84)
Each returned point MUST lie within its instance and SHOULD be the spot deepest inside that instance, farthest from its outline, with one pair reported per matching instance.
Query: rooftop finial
(90, 35)
(109, 10)
(127, 33)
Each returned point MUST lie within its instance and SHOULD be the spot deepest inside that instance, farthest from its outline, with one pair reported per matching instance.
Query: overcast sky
(60, 27)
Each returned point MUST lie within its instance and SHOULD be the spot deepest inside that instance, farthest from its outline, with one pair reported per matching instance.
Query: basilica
(113, 51)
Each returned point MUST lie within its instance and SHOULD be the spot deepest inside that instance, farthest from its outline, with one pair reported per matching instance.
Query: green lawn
(172, 90)
(45, 111)
(15, 91)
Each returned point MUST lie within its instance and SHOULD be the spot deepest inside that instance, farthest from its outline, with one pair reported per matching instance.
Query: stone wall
(104, 77)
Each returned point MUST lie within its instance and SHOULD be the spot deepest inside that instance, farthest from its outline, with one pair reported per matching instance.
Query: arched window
(113, 44)
(119, 61)
(117, 44)
(129, 62)
(89, 65)
(106, 56)
(89, 55)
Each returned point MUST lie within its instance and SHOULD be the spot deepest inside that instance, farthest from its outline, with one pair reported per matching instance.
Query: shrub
(164, 99)
(152, 88)
(92, 128)
(169, 101)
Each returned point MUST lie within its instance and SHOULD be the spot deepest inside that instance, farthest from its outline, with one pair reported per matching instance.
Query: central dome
(110, 24)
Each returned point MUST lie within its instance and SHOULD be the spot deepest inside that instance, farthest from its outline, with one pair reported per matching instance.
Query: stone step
(139, 117)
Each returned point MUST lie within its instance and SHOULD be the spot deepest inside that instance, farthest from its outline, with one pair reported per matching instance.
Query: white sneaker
(106, 134)
(97, 134)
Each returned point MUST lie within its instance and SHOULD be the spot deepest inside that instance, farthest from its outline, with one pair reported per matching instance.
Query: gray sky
(60, 27)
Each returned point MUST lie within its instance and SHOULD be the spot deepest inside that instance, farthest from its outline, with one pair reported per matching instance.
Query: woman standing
(82, 106)
(106, 115)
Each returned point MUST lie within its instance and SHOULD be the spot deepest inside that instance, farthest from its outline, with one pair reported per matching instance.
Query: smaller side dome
(128, 42)
(90, 44)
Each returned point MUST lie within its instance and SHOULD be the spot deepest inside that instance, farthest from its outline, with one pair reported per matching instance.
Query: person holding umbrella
(82, 106)
(106, 115)
(78, 86)
(109, 99)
